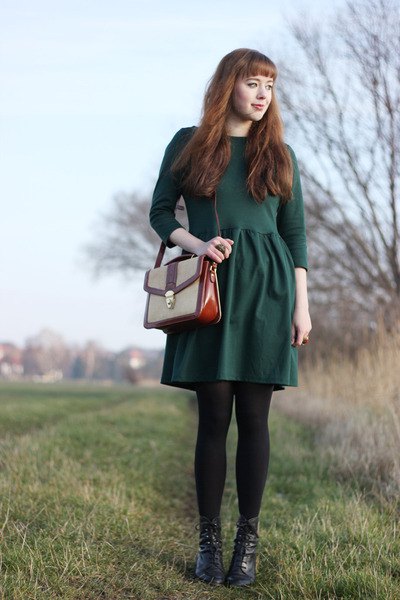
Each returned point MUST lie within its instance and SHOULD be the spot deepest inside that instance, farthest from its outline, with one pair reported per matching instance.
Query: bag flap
(174, 276)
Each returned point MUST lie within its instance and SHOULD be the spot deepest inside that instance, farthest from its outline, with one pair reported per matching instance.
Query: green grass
(98, 501)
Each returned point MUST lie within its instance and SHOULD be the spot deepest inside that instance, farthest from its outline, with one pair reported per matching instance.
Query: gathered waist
(212, 232)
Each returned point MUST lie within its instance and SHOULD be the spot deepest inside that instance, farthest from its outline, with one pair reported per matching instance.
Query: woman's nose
(261, 93)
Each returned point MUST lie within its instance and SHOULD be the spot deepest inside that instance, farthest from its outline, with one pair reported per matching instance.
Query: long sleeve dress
(252, 342)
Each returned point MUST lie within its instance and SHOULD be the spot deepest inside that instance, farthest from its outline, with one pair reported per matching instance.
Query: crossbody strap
(163, 246)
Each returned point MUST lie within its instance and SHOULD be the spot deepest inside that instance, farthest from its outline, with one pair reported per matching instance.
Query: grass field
(98, 501)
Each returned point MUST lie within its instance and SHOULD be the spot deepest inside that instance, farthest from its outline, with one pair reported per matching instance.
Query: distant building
(11, 361)
(47, 358)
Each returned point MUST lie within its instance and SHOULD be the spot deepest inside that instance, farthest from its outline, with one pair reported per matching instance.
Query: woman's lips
(258, 106)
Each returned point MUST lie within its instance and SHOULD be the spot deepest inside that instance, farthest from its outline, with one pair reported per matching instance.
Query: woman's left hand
(301, 325)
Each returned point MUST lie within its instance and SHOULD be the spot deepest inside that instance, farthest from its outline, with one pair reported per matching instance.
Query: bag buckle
(170, 298)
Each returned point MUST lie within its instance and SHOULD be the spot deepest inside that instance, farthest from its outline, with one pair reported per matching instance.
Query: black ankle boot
(242, 570)
(209, 566)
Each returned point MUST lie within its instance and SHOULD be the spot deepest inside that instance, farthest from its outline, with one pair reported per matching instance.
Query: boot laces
(210, 536)
(211, 542)
(246, 539)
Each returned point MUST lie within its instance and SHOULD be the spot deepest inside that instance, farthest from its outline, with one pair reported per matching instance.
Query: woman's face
(251, 97)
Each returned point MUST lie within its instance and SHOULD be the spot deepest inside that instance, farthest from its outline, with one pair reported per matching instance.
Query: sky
(91, 92)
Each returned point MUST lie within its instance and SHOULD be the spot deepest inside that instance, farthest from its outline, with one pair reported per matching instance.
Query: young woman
(238, 153)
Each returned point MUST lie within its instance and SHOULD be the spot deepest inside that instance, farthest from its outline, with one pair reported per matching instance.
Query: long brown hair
(206, 155)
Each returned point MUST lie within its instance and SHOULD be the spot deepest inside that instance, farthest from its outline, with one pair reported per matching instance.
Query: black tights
(215, 402)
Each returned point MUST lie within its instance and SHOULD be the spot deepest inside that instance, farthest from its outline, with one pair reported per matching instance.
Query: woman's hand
(301, 325)
(194, 245)
(209, 248)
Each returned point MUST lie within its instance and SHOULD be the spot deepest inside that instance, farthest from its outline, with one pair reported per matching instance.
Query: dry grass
(354, 407)
(97, 500)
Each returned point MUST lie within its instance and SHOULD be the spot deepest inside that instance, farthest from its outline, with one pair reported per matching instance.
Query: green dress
(252, 342)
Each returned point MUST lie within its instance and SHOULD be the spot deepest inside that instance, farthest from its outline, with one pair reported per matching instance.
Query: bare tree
(46, 352)
(124, 241)
(342, 106)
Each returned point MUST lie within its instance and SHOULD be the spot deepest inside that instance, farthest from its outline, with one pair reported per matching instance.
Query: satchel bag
(183, 294)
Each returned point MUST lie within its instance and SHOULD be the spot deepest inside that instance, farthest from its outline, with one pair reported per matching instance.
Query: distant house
(11, 361)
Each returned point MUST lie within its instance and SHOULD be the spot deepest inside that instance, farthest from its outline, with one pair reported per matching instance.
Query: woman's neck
(237, 127)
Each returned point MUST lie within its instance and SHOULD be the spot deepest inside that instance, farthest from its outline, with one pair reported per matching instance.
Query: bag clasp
(170, 298)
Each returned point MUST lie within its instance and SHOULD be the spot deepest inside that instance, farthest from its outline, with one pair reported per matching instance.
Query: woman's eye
(253, 84)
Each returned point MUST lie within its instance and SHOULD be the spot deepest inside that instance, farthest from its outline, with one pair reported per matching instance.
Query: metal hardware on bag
(170, 298)
(213, 270)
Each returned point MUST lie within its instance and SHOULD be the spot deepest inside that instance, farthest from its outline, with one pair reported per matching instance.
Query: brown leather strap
(163, 246)
(160, 255)
(216, 213)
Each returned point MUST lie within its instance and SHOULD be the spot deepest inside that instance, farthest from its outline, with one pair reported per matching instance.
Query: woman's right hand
(209, 248)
